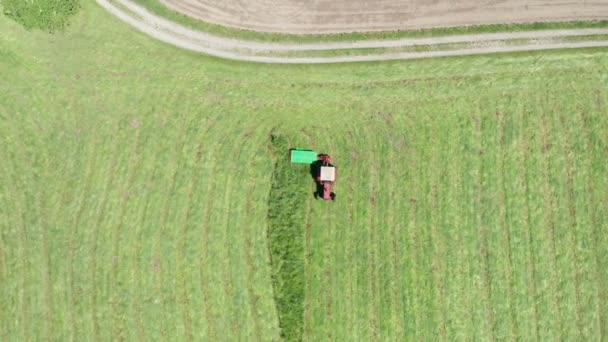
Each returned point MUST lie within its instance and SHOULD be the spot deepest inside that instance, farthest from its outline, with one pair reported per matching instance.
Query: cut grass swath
(286, 219)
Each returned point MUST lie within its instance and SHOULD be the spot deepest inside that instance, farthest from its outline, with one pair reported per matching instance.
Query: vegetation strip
(244, 50)
(286, 219)
(158, 8)
(600, 290)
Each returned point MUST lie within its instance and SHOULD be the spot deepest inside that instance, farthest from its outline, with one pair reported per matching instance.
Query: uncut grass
(80, 149)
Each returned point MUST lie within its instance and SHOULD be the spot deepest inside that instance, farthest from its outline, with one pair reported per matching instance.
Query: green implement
(303, 156)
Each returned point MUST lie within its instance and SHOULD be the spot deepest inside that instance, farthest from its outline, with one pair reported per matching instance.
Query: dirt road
(332, 16)
(253, 51)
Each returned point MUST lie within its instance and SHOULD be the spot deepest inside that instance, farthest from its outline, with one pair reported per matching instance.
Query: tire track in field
(307, 252)
(506, 236)
(330, 253)
(47, 276)
(179, 150)
(4, 205)
(65, 198)
(251, 270)
(136, 256)
(228, 195)
(182, 240)
(118, 331)
(251, 296)
(86, 189)
(39, 208)
(527, 223)
(373, 244)
(481, 228)
(111, 176)
(213, 335)
(396, 303)
(437, 265)
(185, 301)
(600, 290)
(460, 189)
(351, 237)
(550, 221)
(415, 240)
(23, 264)
(572, 220)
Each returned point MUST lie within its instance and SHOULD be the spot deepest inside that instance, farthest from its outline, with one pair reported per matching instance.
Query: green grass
(286, 223)
(155, 6)
(46, 15)
(135, 180)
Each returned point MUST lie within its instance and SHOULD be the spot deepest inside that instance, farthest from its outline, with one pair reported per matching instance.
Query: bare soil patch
(339, 16)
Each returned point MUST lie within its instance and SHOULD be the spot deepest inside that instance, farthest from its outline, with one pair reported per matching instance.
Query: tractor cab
(326, 177)
(322, 170)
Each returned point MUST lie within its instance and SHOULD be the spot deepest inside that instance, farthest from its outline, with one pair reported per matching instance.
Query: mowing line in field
(253, 298)
(65, 198)
(531, 269)
(204, 256)
(461, 224)
(179, 152)
(307, 314)
(351, 237)
(139, 325)
(136, 247)
(194, 187)
(572, 220)
(117, 330)
(329, 262)
(307, 252)
(350, 247)
(111, 176)
(481, 228)
(48, 289)
(372, 246)
(244, 137)
(506, 237)
(597, 248)
(396, 303)
(90, 171)
(24, 263)
(550, 223)
(228, 203)
(307, 311)
(437, 266)
(415, 241)
(3, 269)
(184, 300)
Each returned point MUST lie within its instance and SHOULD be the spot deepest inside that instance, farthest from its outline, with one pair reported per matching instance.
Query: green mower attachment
(302, 156)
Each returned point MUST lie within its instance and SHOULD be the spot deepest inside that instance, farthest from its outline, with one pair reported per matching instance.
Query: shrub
(46, 15)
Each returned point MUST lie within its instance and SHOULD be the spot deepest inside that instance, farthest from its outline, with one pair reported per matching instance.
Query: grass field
(135, 182)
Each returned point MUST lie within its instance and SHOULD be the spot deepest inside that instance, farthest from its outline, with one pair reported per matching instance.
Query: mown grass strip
(286, 219)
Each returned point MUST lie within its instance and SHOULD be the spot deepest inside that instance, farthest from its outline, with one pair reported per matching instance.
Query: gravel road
(256, 51)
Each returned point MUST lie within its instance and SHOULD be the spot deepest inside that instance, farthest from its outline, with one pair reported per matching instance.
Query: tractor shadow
(315, 168)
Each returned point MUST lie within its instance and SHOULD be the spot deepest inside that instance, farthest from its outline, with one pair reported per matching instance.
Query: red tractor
(326, 176)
